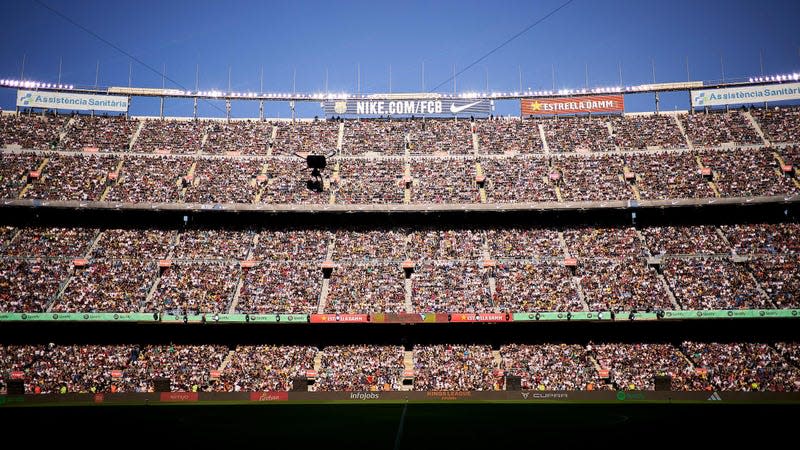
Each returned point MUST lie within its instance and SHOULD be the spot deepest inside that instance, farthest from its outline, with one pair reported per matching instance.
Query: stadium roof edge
(319, 96)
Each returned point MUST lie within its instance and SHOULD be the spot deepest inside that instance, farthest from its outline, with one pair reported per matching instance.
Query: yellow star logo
(536, 106)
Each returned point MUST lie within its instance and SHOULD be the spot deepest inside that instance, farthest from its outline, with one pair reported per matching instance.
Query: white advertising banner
(75, 102)
(746, 94)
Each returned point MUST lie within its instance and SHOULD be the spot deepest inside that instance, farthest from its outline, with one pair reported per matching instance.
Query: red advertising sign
(214, 374)
(403, 317)
(116, 374)
(273, 396)
(179, 397)
(339, 318)
(17, 375)
(572, 105)
(603, 373)
(483, 317)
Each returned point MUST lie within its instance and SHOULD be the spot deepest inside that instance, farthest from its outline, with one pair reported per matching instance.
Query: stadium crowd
(603, 242)
(591, 177)
(81, 177)
(266, 367)
(444, 180)
(148, 244)
(509, 136)
(427, 137)
(223, 181)
(150, 179)
(779, 276)
(366, 245)
(756, 238)
(685, 240)
(366, 289)
(368, 181)
(291, 244)
(532, 287)
(30, 285)
(51, 242)
(287, 183)
(379, 136)
(448, 367)
(744, 366)
(780, 124)
(668, 175)
(518, 179)
(524, 243)
(14, 172)
(34, 132)
(360, 368)
(170, 136)
(195, 288)
(188, 367)
(747, 173)
(713, 283)
(623, 284)
(578, 134)
(717, 128)
(635, 366)
(451, 286)
(280, 288)
(247, 137)
(207, 243)
(551, 367)
(642, 132)
(317, 137)
(105, 134)
(108, 286)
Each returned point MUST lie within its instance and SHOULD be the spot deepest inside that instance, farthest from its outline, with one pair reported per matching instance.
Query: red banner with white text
(572, 105)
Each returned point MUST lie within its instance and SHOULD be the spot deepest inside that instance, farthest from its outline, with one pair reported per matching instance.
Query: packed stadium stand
(91, 240)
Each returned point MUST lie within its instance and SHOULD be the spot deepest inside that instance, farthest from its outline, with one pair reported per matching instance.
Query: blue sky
(314, 36)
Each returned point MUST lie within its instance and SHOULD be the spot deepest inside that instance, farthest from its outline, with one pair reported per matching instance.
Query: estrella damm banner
(572, 105)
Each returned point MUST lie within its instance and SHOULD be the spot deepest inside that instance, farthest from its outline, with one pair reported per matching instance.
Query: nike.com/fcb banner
(75, 102)
(408, 107)
(572, 105)
(747, 94)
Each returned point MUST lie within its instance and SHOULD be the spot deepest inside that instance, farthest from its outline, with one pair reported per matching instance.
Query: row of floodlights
(318, 96)
(785, 77)
(597, 90)
(34, 85)
(333, 96)
(343, 96)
